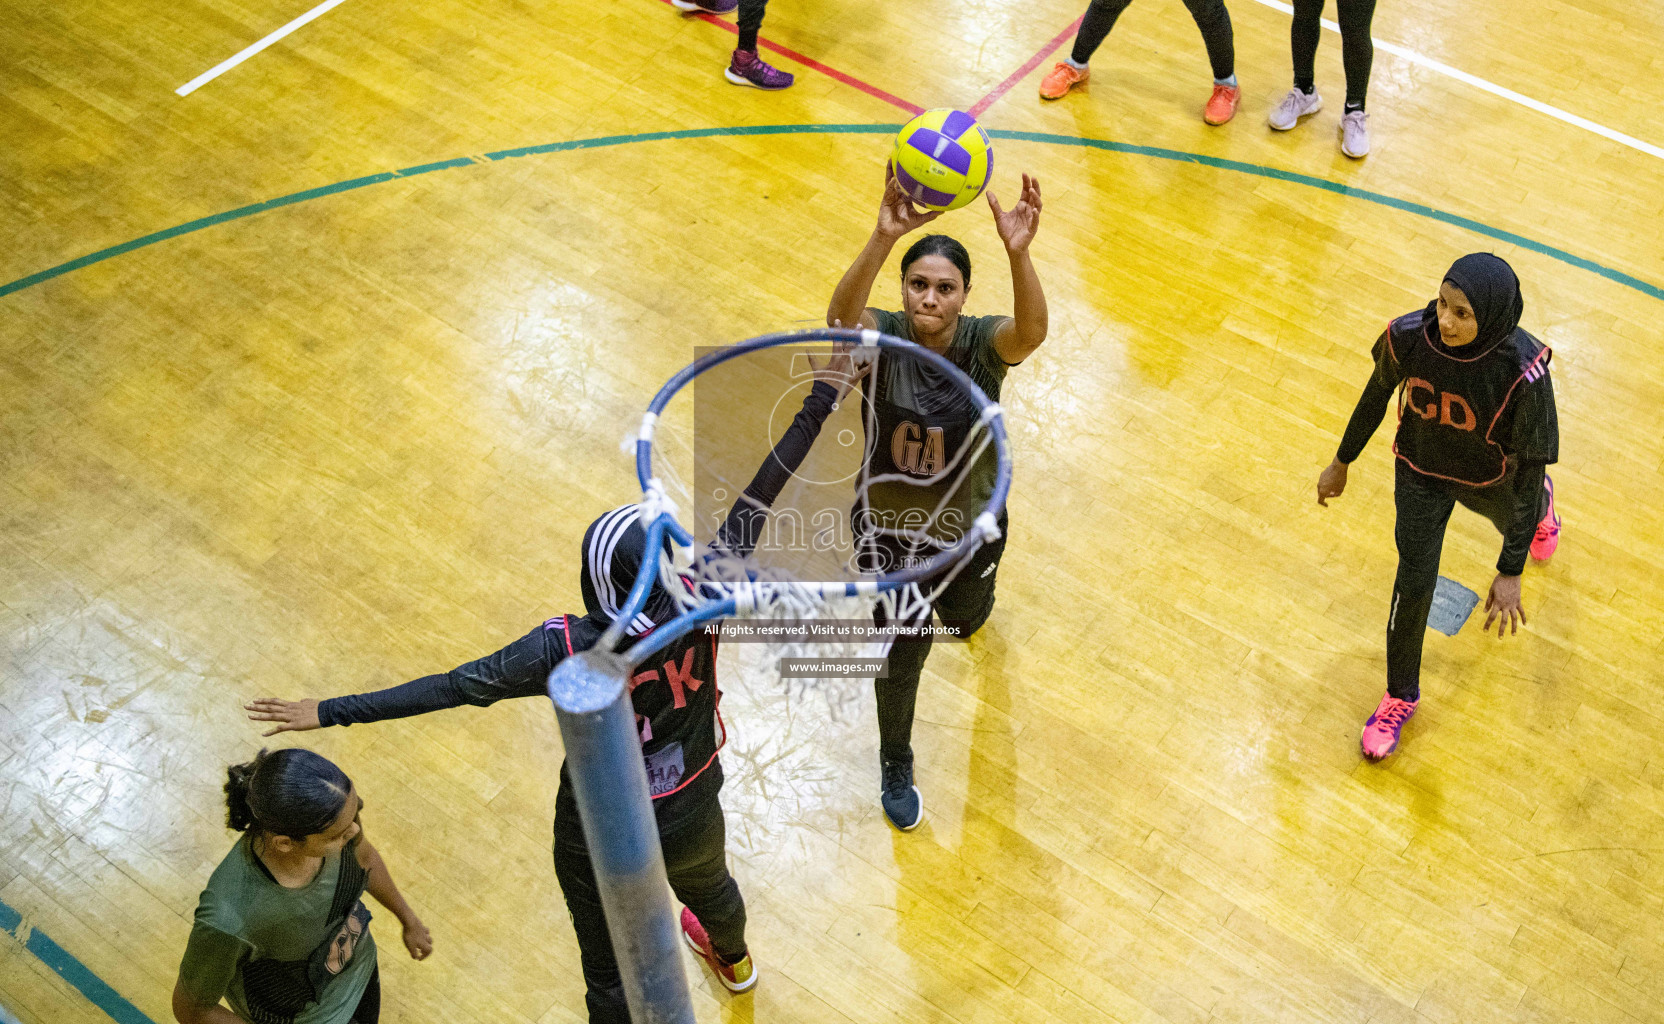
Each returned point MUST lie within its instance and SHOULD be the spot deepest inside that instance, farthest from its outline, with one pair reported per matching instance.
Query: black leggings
(1357, 50)
(750, 23)
(1211, 17)
(695, 860)
(963, 605)
(1424, 505)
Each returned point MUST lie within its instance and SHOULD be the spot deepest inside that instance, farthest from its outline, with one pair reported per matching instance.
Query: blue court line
(73, 971)
(1218, 163)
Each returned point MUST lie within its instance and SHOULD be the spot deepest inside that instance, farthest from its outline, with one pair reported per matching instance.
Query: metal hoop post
(603, 760)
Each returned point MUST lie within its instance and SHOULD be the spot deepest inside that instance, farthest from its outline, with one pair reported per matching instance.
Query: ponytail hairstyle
(939, 245)
(290, 792)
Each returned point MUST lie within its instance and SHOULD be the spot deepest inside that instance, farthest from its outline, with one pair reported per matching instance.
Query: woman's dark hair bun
(290, 792)
(238, 815)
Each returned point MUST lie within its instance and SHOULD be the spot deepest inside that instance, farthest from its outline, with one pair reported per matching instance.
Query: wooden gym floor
(341, 442)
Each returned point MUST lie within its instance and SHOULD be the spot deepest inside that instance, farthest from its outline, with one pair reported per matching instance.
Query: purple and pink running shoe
(749, 69)
(1380, 736)
(706, 6)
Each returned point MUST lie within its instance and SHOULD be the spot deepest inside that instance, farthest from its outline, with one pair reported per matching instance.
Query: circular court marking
(601, 142)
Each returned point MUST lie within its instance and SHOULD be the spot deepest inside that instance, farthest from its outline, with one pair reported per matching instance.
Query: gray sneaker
(1295, 105)
(1354, 134)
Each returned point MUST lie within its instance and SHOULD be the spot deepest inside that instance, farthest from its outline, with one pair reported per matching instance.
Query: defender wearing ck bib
(675, 696)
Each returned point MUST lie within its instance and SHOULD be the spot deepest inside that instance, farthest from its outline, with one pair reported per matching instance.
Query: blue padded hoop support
(722, 608)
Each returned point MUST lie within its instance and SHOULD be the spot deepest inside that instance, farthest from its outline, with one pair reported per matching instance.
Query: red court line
(809, 62)
(1016, 76)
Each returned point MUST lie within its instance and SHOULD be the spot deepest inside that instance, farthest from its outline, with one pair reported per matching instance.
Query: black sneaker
(902, 803)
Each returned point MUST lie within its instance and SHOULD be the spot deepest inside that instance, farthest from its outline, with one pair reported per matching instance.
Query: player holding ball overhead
(1476, 425)
(917, 411)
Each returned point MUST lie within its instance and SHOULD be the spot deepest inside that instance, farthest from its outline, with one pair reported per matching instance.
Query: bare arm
(185, 1011)
(416, 937)
(849, 301)
(1017, 340)
(896, 217)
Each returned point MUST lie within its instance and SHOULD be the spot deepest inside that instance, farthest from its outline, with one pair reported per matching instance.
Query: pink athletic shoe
(1548, 531)
(736, 977)
(708, 6)
(1380, 736)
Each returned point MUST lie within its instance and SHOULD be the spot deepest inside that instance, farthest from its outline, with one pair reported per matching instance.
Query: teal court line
(65, 966)
(1180, 156)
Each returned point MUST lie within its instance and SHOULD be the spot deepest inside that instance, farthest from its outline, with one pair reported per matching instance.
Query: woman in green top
(921, 419)
(281, 933)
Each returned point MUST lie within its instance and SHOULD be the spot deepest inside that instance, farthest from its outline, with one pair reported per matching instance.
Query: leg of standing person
(746, 67)
(696, 860)
(1303, 34)
(897, 695)
(1358, 53)
(1094, 29)
(604, 986)
(1423, 507)
(1214, 21)
(963, 605)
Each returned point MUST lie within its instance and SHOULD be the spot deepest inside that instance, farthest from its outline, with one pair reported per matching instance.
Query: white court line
(1494, 89)
(230, 62)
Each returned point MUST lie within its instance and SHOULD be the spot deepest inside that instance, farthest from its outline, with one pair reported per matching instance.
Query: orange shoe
(1060, 79)
(1221, 105)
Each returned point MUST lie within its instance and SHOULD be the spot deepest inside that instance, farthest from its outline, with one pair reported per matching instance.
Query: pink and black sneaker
(706, 6)
(735, 977)
(1380, 736)
(1548, 531)
(749, 69)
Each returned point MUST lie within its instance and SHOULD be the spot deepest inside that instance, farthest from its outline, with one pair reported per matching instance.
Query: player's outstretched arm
(519, 670)
(896, 217)
(1017, 340)
(290, 715)
(746, 519)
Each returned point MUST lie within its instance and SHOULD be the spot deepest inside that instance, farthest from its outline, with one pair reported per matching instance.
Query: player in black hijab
(1476, 425)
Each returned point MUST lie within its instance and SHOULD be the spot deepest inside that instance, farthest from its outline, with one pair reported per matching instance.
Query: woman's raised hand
(838, 367)
(896, 213)
(1018, 224)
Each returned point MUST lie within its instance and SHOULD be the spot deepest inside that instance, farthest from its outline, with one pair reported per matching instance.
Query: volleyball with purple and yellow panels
(943, 159)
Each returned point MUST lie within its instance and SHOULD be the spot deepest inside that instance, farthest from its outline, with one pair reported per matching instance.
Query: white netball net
(802, 549)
